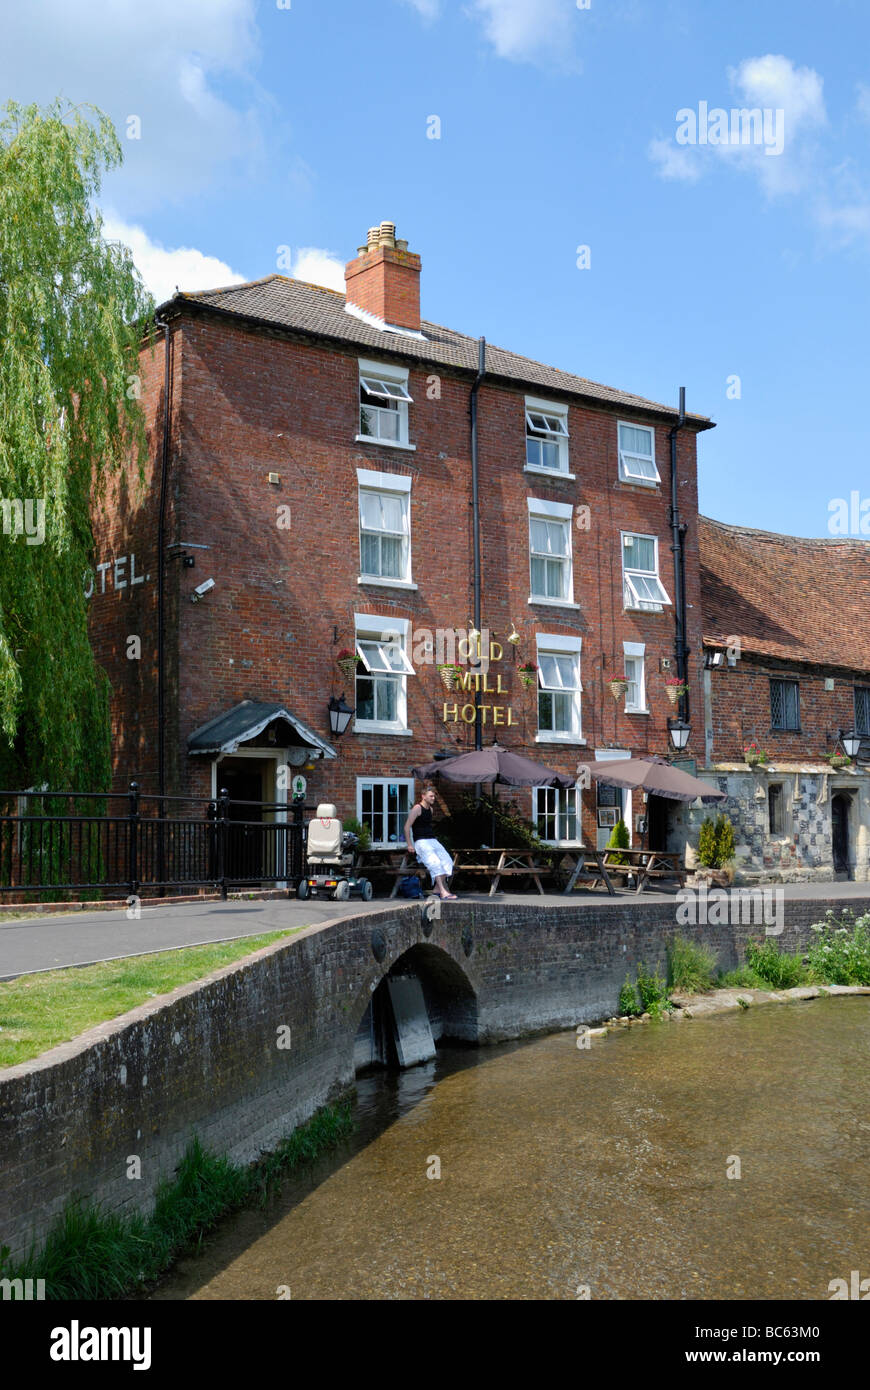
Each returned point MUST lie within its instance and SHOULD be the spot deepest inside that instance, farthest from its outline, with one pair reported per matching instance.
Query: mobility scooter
(329, 859)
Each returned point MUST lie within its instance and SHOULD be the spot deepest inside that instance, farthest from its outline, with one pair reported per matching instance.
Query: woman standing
(420, 838)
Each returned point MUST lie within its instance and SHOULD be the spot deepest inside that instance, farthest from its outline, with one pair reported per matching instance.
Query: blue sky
(266, 127)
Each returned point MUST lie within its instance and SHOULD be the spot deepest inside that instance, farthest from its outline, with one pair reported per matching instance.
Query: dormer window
(546, 436)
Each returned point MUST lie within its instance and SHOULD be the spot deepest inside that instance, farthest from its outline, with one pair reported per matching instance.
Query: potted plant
(618, 685)
(450, 674)
(676, 688)
(716, 853)
(528, 673)
(838, 760)
(753, 755)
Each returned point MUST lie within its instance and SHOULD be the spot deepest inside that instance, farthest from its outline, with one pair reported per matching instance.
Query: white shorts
(435, 857)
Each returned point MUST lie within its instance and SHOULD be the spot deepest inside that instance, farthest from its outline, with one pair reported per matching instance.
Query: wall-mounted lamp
(713, 659)
(851, 743)
(678, 731)
(340, 714)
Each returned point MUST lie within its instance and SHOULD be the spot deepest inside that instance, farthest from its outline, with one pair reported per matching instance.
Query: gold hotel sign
(482, 682)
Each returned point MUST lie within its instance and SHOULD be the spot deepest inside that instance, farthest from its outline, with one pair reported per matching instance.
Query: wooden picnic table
(501, 863)
(589, 866)
(393, 861)
(646, 864)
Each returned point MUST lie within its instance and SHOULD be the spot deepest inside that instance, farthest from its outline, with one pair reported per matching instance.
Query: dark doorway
(657, 822)
(840, 833)
(245, 841)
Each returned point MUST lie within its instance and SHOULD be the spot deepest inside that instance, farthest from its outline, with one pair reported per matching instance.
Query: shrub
(776, 968)
(707, 845)
(470, 825)
(628, 999)
(725, 847)
(358, 829)
(690, 967)
(619, 839)
(744, 977)
(653, 991)
(716, 846)
(840, 954)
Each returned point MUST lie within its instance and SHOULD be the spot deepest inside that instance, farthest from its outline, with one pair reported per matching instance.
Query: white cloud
(674, 161)
(530, 30)
(429, 9)
(163, 270)
(165, 61)
(784, 157)
(319, 268)
(834, 183)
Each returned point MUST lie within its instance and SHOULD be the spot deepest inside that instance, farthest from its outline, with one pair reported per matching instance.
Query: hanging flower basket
(346, 662)
(838, 760)
(754, 756)
(675, 688)
(528, 673)
(618, 686)
(450, 675)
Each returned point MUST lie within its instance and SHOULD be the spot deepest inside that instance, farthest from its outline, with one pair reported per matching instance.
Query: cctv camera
(201, 589)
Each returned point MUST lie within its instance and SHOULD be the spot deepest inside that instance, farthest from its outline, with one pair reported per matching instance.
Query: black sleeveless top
(422, 828)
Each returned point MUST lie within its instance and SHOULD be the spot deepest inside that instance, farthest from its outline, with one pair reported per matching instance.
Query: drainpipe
(161, 527)
(475, 503)
(678, 531)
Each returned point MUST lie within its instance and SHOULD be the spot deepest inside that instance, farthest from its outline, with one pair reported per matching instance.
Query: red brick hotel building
(337, 474)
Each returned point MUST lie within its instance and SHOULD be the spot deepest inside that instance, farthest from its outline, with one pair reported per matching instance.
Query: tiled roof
(280, 302)
(787, 597)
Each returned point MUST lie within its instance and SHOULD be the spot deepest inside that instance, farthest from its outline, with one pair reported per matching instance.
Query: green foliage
(358, 828)
(89, 1255)
(744, 977)
(653, 991)
(470, 825)
(707, 844)
(776, 968)
(840, 954)
(628, 999)
(71, 311)
(619, 839)
(725, 847)
(716, 846)
(691, 968)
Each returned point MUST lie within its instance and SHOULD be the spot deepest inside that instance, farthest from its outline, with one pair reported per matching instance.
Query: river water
(603, 1169)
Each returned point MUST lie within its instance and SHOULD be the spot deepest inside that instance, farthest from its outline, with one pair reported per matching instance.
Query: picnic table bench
(497, 864)
(384, 861)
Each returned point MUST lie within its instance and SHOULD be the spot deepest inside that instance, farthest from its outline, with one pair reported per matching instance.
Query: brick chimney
(384, 280)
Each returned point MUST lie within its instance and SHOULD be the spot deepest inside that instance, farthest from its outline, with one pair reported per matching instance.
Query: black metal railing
(71, 841)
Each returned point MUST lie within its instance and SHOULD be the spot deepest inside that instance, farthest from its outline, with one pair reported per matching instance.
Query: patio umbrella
(652, 774)
(495, 764)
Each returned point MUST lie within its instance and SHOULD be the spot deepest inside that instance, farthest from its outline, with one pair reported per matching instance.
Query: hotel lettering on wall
(485, 683)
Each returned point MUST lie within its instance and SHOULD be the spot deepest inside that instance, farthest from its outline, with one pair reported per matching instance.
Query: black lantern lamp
(851, 744)
(679, 732)
(340, 714)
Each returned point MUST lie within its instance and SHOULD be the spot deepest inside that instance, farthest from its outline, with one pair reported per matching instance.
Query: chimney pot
(384, 279)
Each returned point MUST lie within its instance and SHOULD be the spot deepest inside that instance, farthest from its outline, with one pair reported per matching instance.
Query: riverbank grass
(91, 1255)
(37, 1012)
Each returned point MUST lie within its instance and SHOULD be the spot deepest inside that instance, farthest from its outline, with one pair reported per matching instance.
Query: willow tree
(71, 312)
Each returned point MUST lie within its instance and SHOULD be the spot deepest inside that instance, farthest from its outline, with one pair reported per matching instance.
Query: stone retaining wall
(209, 1058)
